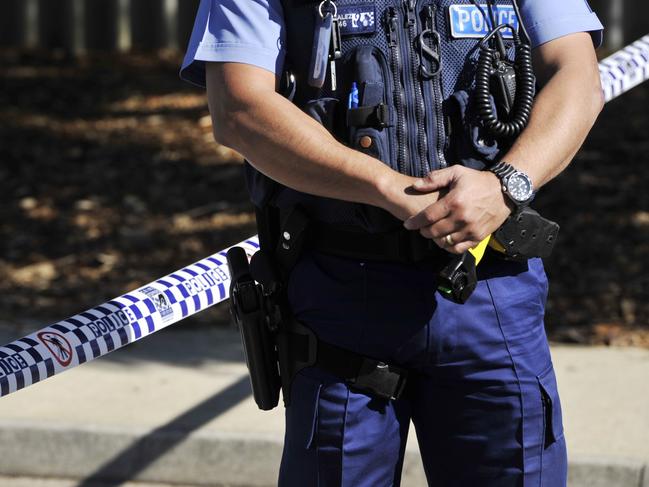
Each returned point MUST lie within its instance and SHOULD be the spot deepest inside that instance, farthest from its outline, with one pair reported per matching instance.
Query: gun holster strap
(364, 374)
(400, 246)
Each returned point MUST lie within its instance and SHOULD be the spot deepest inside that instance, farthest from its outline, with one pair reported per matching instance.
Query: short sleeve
(240, 31)
(547, 20)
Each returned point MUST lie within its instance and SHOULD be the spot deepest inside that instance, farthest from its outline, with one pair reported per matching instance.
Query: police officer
(377, 132)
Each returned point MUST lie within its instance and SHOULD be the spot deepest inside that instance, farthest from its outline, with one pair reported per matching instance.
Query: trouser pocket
(554, 461)
(552, 418)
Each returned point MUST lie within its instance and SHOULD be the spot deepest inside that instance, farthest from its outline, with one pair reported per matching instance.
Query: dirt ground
(109, 179)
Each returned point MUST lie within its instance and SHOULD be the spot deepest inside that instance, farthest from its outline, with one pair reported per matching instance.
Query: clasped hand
(471, 206)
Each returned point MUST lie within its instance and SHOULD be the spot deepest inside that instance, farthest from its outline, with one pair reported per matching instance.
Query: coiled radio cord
(515, 81)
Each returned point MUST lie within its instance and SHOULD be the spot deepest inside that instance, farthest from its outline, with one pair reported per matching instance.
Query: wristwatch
(516, 185)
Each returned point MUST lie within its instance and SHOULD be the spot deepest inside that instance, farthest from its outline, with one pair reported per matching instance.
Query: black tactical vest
(414, 63)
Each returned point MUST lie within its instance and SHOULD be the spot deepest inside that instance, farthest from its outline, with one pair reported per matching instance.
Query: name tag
(468, 21)
(357, 19)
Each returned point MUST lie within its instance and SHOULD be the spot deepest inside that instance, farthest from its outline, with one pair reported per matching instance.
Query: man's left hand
(472, 207)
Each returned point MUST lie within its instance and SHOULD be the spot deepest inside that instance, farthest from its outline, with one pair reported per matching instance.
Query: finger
(449, 241)
(455, 241)
(428, 216)
(462, 247)
(435, 180)
(458, 247)
(441, 229)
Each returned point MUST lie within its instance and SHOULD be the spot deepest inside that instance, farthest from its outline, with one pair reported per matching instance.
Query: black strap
(503, 169)
(370, 116)
(363, 374)
(400, 246)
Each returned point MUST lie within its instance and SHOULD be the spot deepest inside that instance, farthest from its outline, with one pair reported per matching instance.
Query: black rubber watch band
(503, 169)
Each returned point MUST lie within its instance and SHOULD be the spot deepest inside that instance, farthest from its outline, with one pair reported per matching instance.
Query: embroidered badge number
(357, 19)
(468, 21)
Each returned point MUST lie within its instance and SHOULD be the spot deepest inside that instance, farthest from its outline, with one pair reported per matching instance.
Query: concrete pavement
(176, 408)
(40, 482)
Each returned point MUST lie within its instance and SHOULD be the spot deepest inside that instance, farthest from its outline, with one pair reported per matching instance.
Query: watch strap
(503, 170)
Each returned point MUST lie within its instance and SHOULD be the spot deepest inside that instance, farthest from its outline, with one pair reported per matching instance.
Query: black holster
(276, 345)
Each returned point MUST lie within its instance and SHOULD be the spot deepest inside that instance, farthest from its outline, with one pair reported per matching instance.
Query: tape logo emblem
(58, 346)
(160, 301)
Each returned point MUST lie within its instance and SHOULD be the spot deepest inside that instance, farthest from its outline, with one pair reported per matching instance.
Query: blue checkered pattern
(118, 322)
(625, 69)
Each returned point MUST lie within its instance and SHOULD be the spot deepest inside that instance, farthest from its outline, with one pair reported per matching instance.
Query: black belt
(364, 374)
(361, 373)
(400, 246)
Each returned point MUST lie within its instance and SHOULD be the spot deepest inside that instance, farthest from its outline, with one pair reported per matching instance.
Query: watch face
(519, 187)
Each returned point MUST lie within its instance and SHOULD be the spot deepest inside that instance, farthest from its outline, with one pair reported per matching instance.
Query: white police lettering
(109, 323)
(468, 21)
(356, 19)
(12, 364)
(205, 281)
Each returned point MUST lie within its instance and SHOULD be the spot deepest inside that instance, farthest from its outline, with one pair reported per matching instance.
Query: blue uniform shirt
(252, 31)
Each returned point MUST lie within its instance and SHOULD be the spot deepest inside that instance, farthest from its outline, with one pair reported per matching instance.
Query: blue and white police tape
(135, 315)
(625, 69)
(123, 320)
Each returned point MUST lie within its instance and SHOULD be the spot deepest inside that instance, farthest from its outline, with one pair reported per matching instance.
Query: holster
(276, 345)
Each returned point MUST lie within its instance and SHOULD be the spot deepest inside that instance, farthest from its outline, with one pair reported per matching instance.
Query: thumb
(435, 180)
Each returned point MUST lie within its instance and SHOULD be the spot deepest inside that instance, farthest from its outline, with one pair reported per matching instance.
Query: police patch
(357, 19)
(468, 21)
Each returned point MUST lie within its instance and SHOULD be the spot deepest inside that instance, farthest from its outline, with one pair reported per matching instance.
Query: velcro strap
(371, 116)
(363, 374)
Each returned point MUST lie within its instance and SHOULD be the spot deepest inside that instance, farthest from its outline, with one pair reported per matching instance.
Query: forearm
(564, 112)
(290, 147)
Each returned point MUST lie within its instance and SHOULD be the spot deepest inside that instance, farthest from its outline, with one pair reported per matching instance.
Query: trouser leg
(336, 437)
(485, 403)
(487, 411)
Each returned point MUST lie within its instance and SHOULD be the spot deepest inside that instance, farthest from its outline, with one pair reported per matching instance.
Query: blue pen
(353, 97)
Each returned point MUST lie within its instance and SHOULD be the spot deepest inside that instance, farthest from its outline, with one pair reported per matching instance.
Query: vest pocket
(371, 143)
(470, 144)
(369, 123)
(552, 420)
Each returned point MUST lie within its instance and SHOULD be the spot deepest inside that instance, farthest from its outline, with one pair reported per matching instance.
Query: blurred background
(109, 177)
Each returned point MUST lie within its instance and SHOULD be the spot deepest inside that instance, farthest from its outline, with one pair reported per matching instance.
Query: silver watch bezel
(509, 179)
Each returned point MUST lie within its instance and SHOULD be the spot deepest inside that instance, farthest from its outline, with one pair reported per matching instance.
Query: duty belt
(399, 246)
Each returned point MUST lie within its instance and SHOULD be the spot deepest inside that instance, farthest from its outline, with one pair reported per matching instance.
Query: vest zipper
(398, 91)
(419, 106)
(431, 20)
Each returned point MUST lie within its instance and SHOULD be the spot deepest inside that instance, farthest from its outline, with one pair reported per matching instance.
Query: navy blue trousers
(482, 398)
